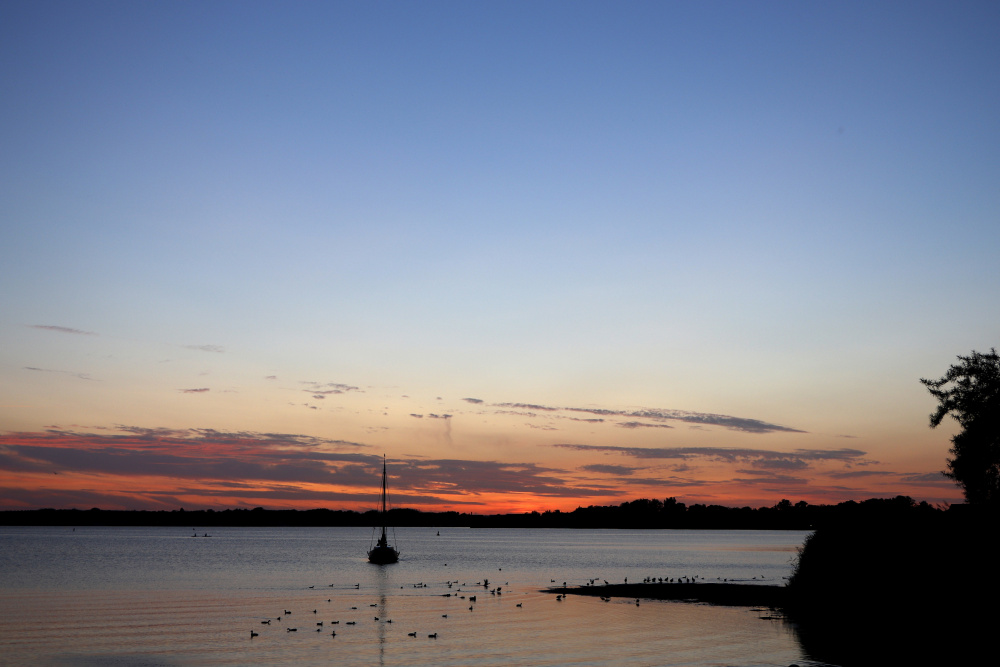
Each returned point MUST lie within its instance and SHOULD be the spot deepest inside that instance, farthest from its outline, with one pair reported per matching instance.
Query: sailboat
(382, 553)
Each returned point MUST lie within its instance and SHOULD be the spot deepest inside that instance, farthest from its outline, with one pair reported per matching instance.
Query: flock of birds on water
(485, 584)
(320, 625)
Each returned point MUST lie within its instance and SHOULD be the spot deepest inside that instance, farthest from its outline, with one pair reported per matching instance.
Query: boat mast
(384, 518)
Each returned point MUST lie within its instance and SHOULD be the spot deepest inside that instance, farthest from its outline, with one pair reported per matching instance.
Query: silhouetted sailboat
(382, 553)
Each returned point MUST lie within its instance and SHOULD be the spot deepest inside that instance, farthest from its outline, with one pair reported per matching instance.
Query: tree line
(642, 513)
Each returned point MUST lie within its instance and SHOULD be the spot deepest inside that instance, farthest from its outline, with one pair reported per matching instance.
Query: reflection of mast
(383, 612)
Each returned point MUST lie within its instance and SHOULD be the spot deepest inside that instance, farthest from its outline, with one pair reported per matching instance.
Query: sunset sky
(539, 254)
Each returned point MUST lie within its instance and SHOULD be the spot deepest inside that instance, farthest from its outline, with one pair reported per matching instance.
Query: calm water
(157, 596)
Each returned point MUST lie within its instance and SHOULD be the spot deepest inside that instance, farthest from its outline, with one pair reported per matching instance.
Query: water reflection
(383, 581)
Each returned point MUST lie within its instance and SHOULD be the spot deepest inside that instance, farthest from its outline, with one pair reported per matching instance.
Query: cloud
(191, 454)
(463, 477)
(642, 425)
(473, 400)
(609, 469)
(199, 390)
(780, 464)
(527, 406)
(726, 421)
(927, 478)
(51, 327)
(766, 477)
(15, 497)
(516, 413)
(842, 454)
(764, 458)
(82, 376)
(849, 474)
(935, 478)
(319, 389)
(212, 463)
(744, 424)
(207, 348)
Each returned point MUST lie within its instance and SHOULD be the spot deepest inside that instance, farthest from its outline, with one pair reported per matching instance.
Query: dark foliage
(970, 392)
(897, 588)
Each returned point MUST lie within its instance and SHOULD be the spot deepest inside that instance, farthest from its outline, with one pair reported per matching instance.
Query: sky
(539, 255)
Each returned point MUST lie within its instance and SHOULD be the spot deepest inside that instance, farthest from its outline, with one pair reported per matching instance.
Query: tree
(970, 392)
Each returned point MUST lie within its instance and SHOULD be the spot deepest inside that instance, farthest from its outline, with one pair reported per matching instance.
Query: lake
(158, 596)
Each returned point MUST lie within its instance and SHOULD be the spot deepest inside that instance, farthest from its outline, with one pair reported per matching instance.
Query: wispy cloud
(659, 416)
(764, 458)
(323, 389)
(68, 330)
(527, 406)
(765, 477)
(218, 349)
(927, 478)
(82, 376)
(609, 469)
(199, 390)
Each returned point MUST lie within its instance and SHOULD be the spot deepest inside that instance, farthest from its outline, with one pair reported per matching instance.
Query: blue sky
(773, 211)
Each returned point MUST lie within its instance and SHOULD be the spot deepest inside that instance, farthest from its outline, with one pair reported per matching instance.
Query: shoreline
(731, 595)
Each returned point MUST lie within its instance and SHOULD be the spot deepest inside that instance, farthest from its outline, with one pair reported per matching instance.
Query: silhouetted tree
(970, 392)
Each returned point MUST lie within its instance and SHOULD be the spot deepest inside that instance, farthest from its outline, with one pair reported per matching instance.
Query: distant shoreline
(639, 514)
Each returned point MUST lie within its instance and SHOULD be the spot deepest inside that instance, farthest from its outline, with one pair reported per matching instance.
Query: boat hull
(383, 555)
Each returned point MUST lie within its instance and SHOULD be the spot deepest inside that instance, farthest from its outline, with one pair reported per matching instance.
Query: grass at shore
(748, 595)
